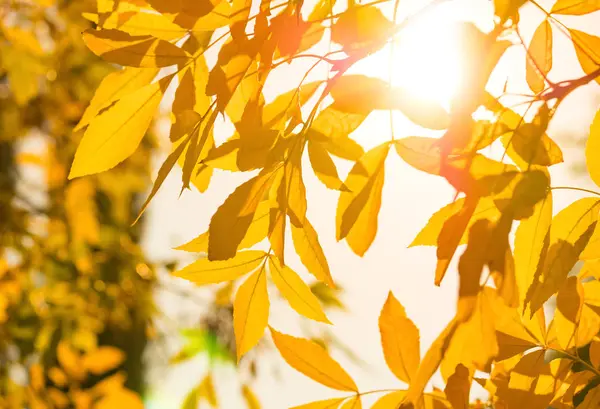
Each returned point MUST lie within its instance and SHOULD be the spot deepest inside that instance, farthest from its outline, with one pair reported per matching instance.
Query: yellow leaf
(575, 7)
(140, 23)
(70, 361)
(431, 362)
(451, 235)
(134, 51)
(420, 152)
(332, 128)
(569, 233)
(592, 150)
(531, 241)
(113, 87)
(322, 404)
(359, 94)
(121, 399)
(306, 243)
(206, 390)
(205, 271)
(250, 398)
(595, 353)
(115, 134)
(296, 292)
(360, 28)
(103, 359)
(458, 388)
(539, 57)
(250, 312)
(256, 232)
(569, 303)
(587, 47)
(231, 221)
(81, 211)
(324, 167)
(399, 340)
(392, 400)
(591, 400)
(313, 361)
(358, 208)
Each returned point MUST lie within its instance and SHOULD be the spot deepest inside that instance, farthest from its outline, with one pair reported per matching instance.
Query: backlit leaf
(592, 150)
(296, 292)
(204, 271)
(250, 312)
(322, 404)
(324, 167)
(575, 7)
(306, 243)
(134, 51)
(399, 340)
(539, 57)
(250, 398)
(103, 359)
(313, 361)
(231, 221)
(569, 233)
(458, 388)
(586, 47)
(363, 28)
(115, 134)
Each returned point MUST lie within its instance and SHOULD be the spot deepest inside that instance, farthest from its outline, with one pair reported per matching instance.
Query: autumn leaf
(103, 359)
(306, 243)
(324, 167)
(569, 233)
(587, 46)
(458, 388)
(358, 208)
(146, 51)
(322, 404)
(399, 340)
(592, 148)
(232, 220)
(313, 361)
(361, 29)
(204, 271)
(539, 57)
(114, 134)
(296, 292)
(575, 7)
(250, 312)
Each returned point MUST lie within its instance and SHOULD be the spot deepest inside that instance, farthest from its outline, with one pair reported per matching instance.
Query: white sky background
(410, 197)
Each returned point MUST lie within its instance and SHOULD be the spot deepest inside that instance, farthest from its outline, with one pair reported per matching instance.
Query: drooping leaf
(420, 152)
(313, 361)
(306, 243)
(231, 221)
(250, 312)
(358, 208)
(203, 271)
(569, 233)
(114, 87)
(586, 47)
(324, 167)
(531, 242)
(296, 292)
(121, 48)
(575, 7)
(115, 134)
(592, 150)
(399, 340)
(539, 57)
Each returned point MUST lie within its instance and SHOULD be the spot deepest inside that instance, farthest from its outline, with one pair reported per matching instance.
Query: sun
(425, 60)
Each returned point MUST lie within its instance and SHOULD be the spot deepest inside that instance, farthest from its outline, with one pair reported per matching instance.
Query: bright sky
(426, 60)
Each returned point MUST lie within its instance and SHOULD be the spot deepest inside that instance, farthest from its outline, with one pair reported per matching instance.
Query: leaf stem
(576, 359)
(579, 189)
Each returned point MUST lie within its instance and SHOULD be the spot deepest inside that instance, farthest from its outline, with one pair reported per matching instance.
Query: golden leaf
(115, 134)
(296, 292)
(250, 398)
(539, 57)
(592, 150)
(399, 340)
(204, 271)
(458, 388)
(322, 404)
(145, 51)
(103, 359)
(575, 7)
(313, 361)
(306, 243)
(250, 312)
